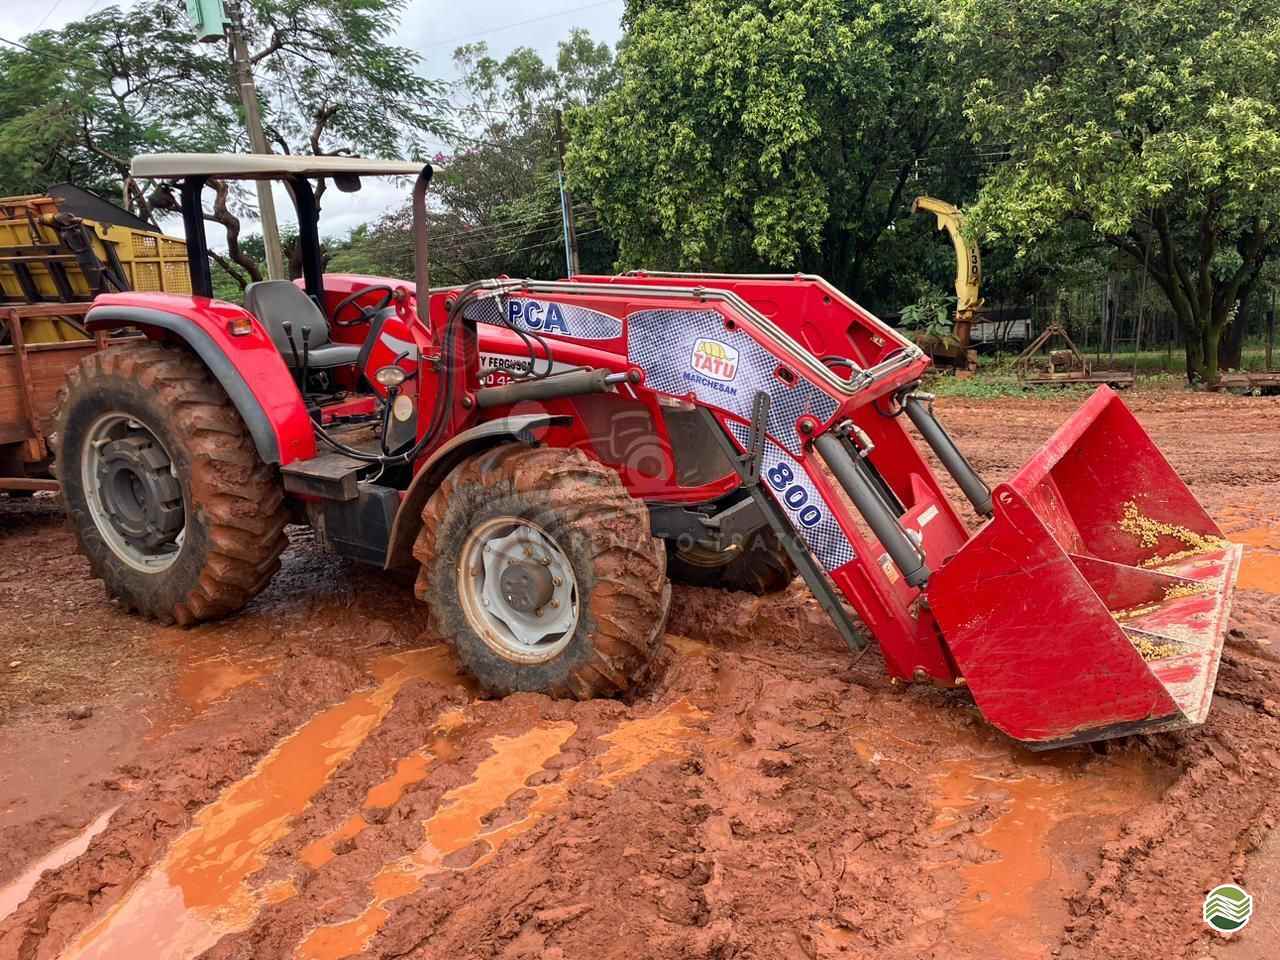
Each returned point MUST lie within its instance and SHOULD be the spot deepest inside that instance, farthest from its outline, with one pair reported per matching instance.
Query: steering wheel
(388, 294)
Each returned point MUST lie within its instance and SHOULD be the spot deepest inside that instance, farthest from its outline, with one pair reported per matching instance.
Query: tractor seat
(276, 301)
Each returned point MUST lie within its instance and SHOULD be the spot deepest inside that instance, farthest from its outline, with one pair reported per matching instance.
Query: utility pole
(258, 140)
(566, 207)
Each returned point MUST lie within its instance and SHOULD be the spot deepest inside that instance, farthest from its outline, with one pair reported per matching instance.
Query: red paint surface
(254, 354)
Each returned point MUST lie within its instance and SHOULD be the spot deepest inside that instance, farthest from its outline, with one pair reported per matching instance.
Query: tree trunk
(231, 223)
(1211, 336)
(1231, 346)
(1193, 344)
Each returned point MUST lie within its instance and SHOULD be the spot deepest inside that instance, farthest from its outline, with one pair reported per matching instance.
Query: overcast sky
(431, 27)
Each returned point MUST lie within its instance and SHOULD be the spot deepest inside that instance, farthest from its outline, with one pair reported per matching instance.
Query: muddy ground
(314, 780)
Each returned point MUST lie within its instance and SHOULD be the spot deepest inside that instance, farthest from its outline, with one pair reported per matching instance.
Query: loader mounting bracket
(728, 525)
(748, 467)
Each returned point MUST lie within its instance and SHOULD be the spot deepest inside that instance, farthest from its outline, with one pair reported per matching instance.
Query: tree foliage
(1154, 124)
(81, 101)
(85, 99)
(498, 209)
(771, 134)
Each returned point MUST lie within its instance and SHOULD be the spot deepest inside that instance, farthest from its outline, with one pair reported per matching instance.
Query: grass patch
(997, 378)
(991, 386)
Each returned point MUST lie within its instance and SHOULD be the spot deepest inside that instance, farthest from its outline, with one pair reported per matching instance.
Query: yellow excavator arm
(968, 259)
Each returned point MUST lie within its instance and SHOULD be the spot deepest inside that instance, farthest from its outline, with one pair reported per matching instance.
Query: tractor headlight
(390, 376)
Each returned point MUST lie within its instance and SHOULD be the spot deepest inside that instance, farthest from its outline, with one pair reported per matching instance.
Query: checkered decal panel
(690, 350)
(543, 316)
(793, 489)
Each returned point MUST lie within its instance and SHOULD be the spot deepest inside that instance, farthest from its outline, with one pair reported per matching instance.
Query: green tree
(83, 100)
(770, 134)
(1155, 124)
(498, 192)
(501, 188)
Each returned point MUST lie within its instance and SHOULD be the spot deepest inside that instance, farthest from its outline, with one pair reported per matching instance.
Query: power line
(23, 46)
(15, 43)
(482, 233)
(521, 23)
(549, 225)
(511, 253)
(532, 225)
(49, 13)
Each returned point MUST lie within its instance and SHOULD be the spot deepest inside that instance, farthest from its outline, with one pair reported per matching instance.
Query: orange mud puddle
(409, 770)
(1260, 569)
(14, 892)
(460, 835)
(199, 891)
(1008, 898)
(207, 669)
(203, 682)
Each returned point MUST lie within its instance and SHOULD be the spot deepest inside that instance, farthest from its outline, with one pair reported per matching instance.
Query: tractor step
(331, 476)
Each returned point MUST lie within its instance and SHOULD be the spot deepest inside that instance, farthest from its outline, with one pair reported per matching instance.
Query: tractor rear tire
(494, 525)
(760, 567)
(163, 485)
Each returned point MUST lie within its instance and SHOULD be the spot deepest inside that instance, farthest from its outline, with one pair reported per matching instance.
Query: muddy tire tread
(764, 568)
(629, 565)
(239, 498)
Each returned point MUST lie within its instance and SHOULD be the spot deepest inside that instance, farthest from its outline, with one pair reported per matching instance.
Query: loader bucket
(1094, 603)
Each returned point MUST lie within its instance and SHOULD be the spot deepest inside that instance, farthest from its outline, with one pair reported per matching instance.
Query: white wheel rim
(507, 550)
(104, 430)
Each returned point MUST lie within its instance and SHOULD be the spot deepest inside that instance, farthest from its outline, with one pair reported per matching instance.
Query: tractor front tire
(165, 490)
(761, 566)
(540, 570)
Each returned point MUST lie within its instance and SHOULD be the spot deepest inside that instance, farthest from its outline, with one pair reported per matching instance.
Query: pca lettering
(537, 315)
(714, 359)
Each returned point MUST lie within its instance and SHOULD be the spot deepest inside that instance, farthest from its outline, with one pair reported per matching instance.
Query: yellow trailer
(50, 254)
(53, 261)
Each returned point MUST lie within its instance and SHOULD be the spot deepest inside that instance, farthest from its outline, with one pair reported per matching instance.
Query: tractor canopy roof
(194, 170)
(249, 166)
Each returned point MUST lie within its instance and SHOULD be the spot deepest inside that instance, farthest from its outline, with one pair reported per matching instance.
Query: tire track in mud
(741, 810)
(1145, 895)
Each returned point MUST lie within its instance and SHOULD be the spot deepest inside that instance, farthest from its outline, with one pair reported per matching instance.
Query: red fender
(248, 366)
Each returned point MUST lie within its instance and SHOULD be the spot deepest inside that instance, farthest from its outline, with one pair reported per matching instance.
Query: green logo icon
(1227, 908)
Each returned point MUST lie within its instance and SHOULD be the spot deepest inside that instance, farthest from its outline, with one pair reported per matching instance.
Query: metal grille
(664, 343)
(543, 316)
(146, 277)
(826, 541)
(177, 279)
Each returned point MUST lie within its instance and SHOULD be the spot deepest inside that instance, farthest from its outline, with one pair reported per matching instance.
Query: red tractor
(538, 450)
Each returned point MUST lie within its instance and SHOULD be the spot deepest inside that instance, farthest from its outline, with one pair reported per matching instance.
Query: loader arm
(1090, 602)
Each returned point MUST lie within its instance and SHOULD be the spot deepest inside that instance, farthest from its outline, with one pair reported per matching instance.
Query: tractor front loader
(536, 449)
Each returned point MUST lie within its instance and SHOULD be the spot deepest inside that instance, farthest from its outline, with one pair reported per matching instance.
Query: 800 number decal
(781, 478)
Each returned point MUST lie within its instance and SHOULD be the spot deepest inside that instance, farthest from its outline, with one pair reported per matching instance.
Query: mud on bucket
(1094, 603)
